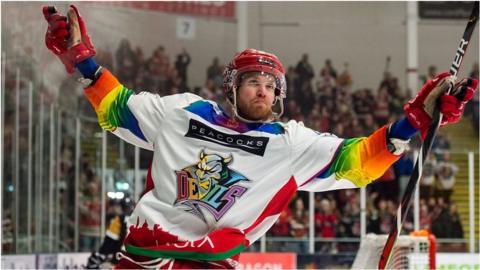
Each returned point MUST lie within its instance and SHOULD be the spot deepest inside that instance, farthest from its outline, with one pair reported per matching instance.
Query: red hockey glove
(67, 38)
(452, 105)
(419, 110)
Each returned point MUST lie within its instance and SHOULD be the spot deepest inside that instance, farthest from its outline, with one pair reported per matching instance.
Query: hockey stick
(426, 146)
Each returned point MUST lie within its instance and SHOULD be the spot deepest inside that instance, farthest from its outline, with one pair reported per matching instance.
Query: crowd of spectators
(325, 102)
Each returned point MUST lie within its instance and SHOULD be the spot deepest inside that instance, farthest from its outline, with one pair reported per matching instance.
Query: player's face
(256, 95)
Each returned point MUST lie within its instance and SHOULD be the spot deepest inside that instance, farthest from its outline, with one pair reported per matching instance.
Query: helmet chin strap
(243, 119)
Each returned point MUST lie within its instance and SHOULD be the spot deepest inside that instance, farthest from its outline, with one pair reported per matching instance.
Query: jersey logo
(255, 145)
(209, 184)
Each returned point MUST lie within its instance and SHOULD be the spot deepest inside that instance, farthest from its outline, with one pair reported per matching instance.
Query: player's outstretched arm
(363, 160)
(67, 38)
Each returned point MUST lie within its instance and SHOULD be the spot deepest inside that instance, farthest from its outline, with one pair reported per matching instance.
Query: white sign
(72, 260)
(18, 261)
(47, 261)
(186, 28)
(453, 261)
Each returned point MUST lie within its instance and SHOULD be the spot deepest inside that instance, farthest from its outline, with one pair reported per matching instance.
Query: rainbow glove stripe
(109, 99)
(362, 160)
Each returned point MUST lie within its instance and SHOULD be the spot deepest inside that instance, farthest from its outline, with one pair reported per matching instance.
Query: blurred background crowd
(318, 94)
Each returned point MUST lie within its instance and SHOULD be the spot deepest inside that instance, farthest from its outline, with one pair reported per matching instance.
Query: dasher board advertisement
(272, 260)
(458, 261)
(18, 261)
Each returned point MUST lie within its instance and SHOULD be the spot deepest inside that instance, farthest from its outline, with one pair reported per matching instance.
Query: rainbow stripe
(109, 99)
(205, 110)
(362, 160)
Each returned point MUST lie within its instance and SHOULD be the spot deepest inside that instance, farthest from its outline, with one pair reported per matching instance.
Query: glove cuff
(74, 56)
(417, 117)
(401, 129)
(87, 67)
(80, 52)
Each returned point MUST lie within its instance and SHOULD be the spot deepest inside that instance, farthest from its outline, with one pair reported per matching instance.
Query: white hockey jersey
(211, 175)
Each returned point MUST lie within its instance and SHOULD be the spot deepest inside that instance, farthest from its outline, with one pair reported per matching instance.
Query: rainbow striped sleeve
(362, 160)
(109, 99)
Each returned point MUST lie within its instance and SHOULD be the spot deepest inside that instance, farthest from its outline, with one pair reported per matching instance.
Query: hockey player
(220, 177)
(114, 236)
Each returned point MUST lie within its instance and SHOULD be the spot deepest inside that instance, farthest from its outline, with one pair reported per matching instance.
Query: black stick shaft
(426, 146)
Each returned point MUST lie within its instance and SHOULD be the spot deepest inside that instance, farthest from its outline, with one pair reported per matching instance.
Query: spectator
(181, 64)
(326, 79)
(356, 126)
(215, 73)
(387, 185)
(363, 103)
(373, 218)
(345, 79)
(127, 65)
(432, 72)
(174, 82)
(474, 72)
(282, 224)
(8, 231)
(388, 80)
(325, 97)
(382, 110)
(384, 217)
(281, 228)
(427, 181)
(369, 124)
(90, 212)
(351, 217)
(441, 225)
(325, 224)
(105, 55)
(147, 78)
(456, 222)
(139, 54)
(299, 225)
(160, 70)
(142, 67)
(329, 70)
(446, 171)
(425, 217)
(397, 100)
(86, 169)
(290, 78)
(440, 144)
(209, 91)
(293, 111)
(304, 72)
(306, 98)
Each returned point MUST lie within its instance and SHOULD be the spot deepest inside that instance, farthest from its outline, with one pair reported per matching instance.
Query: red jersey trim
(276, 204)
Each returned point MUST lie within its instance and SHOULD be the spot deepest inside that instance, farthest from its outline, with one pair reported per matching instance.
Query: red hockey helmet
(251, 60)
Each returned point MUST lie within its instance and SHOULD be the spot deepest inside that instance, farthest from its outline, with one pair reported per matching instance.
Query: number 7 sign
(186, 28)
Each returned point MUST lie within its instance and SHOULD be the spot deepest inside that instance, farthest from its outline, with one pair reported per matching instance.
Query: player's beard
(255, 110)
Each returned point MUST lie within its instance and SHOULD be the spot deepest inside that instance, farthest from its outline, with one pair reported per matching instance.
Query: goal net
(415, 251)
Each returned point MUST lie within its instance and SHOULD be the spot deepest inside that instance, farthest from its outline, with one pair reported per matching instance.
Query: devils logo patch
(209, 184)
